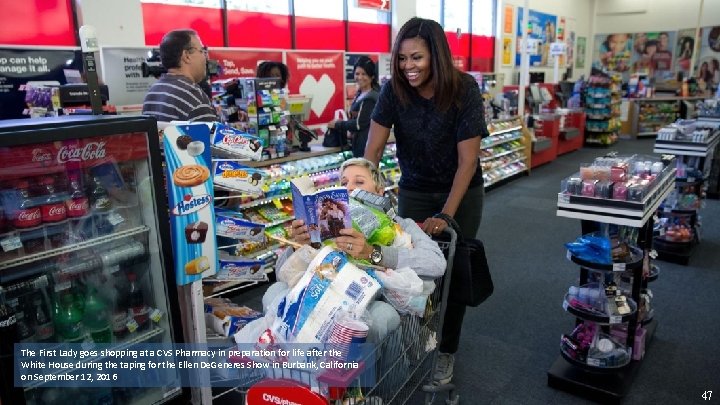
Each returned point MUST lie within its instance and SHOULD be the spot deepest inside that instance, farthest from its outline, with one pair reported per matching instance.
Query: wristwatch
(376, 255)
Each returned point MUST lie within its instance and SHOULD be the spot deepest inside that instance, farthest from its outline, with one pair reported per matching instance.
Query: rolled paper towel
(195, 148)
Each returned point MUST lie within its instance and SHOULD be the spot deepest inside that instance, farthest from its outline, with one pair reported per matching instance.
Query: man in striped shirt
(176, 95)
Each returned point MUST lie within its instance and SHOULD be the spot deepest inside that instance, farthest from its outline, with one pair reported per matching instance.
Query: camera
(153, 66)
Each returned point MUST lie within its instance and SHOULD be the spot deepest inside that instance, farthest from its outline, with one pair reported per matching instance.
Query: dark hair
(444, 77)
(652, 42)
(172, 46)
(265, 68)
(368, 66)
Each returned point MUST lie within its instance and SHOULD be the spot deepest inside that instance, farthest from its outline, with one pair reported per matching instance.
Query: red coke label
(77, 207)
(28, 218)
(53, 212)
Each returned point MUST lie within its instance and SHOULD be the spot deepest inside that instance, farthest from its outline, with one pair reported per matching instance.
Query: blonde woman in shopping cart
(425, 257)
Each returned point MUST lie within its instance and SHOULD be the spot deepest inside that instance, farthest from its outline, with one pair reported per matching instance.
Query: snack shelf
(652, 276)
(263, 201)
(31, 258)
(617, 212)
(500, 142)
(217, 288)
(598, 317)
(141, 337)
(502, 131)
(507, 152)
(506, 176)
(520, 159)
(315, 150)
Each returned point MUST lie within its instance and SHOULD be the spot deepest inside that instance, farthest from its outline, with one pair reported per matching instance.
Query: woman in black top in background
(362, 106)
(438, 120)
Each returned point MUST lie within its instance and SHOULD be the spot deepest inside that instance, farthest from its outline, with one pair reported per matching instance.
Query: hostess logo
(225, 166)
(191, 203)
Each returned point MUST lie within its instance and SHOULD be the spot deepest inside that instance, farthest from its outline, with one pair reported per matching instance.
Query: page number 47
(706, 395)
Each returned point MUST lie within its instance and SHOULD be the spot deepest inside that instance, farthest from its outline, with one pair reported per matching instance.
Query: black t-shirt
(427, 138)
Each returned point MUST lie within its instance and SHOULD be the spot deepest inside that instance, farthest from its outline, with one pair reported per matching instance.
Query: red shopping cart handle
(280, 391)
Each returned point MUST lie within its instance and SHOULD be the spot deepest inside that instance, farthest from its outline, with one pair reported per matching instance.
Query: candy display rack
(506, 152)
(600, 358)
(602, 109)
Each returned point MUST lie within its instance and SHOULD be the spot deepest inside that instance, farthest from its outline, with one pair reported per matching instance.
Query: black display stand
(610, 385)
(698, 156)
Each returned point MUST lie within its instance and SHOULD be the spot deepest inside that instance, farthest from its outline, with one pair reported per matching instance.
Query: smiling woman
(438, 120)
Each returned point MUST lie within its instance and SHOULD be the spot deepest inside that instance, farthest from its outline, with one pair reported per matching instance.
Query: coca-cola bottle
(28, 214)
(77, 204)
(136, 303)
(44, 327)
(53, 208)
(25, 331)
(100, 198)
(8, 333)
(120, 309)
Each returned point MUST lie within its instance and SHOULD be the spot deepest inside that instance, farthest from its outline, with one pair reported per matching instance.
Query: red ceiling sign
(383, 5)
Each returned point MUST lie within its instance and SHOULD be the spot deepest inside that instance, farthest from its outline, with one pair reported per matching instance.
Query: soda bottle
(136, 303)
(25, 331)
(96, 317)
(44, 328)
(53, 209)
(99, 196)
(68, 320)
(120, 312)
(77, 204)
(28, 214)
(8, 332)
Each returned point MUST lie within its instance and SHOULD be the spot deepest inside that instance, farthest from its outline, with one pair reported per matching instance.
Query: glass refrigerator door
(82, 257)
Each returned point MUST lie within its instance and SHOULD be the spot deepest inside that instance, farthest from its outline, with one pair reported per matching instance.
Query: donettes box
(190, 197)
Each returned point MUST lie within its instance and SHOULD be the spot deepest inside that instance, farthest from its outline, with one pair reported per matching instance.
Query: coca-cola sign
(76, 153)
(41, 155)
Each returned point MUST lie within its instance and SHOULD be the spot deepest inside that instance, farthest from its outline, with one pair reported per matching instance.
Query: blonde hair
(375, 174)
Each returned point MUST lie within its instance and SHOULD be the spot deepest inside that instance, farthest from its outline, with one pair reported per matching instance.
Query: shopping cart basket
(403, 362)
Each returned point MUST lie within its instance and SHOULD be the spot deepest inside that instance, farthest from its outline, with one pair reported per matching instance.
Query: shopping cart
(403, 362)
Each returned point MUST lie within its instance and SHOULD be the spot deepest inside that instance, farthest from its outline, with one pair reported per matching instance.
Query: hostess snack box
(236, 177)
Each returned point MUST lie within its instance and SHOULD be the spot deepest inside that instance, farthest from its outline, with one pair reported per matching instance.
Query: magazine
(325, 211)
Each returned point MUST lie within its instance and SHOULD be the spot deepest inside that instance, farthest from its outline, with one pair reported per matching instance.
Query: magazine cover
(324, 211)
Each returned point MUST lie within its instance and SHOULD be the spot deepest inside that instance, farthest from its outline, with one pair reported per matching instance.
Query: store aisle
(511, 340)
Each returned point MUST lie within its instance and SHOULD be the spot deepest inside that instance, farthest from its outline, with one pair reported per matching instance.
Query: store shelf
(502, 131)
(684, 148)
(521, 159)
(636, 262)
(221, 287)
(593, 364)
(617, 212)
(315, 150)
(263, 201)
(27, 259)
(504, 177)
(500, 142)
(598, 318)
(139, 338)
(485, 159)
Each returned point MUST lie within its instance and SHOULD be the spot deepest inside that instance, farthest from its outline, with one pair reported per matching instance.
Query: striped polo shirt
(177, 98)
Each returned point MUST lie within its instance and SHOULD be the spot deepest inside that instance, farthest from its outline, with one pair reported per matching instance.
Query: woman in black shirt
(438, 121)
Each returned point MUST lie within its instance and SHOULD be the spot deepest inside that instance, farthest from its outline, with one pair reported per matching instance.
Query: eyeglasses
(194, 48)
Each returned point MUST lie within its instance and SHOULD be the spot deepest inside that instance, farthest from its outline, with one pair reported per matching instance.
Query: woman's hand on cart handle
(353, 243)
(434, 226)
(300, 232)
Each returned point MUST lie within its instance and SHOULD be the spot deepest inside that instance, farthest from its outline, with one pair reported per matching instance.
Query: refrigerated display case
(84, 246)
